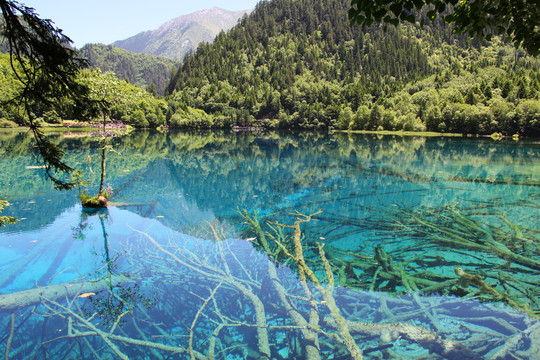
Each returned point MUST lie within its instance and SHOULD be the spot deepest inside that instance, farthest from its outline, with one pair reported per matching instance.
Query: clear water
(184, 276)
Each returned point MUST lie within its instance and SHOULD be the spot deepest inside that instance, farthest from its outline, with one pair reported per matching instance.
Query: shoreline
(69, 131)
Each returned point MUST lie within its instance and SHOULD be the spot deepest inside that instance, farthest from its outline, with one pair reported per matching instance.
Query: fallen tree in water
(223, 299)
(20, 300)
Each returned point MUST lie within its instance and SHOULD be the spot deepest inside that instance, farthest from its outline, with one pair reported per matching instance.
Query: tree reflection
(107, 305)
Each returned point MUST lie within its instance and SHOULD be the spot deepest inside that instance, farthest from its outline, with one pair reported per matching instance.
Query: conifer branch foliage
(517, 20)
(47, 68)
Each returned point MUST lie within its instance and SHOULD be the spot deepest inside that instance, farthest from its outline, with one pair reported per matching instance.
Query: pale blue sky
(102, 21)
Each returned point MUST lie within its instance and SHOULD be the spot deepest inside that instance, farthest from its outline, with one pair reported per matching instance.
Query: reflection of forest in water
(429, 216)
(250, 170)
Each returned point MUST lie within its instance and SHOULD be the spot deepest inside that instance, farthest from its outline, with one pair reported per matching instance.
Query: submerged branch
(11, 332)
(345, 328)
(26, 298)
(224, 299)
(425, 338)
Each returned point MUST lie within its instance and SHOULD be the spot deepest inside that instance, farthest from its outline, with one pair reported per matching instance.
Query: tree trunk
(102, 170)
(22, 299)
(103, 159)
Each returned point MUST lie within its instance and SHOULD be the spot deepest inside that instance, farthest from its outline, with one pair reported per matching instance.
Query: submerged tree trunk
(23, 299)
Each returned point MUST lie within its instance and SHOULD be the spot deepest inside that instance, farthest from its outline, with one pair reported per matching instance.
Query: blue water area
(222, 245)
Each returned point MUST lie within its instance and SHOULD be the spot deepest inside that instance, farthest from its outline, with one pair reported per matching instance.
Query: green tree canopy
(517, 20)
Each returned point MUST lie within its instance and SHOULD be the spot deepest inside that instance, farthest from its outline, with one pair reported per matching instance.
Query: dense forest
(296, 61)
(299, 64)
(147, 71)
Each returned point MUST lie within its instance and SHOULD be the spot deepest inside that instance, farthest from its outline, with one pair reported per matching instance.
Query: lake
(247, 245)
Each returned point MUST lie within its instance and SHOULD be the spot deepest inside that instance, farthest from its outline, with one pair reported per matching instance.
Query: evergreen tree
(47, 68)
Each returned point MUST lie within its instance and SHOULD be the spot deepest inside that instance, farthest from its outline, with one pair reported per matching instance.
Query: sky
(105, 21)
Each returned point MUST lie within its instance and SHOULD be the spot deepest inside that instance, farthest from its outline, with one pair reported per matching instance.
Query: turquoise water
(431, 246)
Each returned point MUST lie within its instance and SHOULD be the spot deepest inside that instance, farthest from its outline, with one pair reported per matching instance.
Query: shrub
(93, 202)
(5, 123)
(345, 118)
(138, 119)
(176, 120)
(361, 119)
(191, 118)
(528, 116)
(51, 117)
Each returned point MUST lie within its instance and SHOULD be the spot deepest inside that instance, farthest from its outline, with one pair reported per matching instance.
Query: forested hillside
(142, 70)
(128, 102)
(298, 61)
(298, 64)
(475, 90)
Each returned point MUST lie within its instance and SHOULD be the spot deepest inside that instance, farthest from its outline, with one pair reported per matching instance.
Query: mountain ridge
(176, 37)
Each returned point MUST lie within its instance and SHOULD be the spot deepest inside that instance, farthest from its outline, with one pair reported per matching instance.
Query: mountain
(177, 37)
(139, 69)
(298, 64)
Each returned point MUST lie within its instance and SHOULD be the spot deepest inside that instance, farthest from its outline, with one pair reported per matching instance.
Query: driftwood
(500, 259)
(26, 298)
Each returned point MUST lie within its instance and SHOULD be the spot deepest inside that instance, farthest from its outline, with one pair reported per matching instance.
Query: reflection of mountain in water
(187, 177)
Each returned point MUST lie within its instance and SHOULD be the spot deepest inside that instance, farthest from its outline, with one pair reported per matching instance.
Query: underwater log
(448, 349)
(22, 299)
(8, 275)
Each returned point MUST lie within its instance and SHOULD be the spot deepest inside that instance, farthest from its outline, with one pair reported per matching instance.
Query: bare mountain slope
(178, 36)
